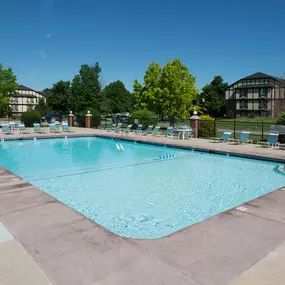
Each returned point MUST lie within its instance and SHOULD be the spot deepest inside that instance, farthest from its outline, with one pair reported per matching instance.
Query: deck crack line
(255, 215)
(24, 209)
(134, 243)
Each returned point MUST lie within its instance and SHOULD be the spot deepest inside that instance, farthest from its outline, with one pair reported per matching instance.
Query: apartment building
(24, 99)
(259, 94)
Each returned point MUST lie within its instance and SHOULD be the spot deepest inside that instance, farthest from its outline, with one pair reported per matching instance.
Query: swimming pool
(136, 191)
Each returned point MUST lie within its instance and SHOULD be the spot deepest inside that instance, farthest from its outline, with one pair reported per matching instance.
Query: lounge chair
(66, 128)
(244, 138)
(127, 129)
(22, 129)
(6, 129)
(168, 132)
(225, 137)
(112, 128)
(138, 129)
(118, 127)
(280, 145)
(155, 131)
(54, 129)
(271, 140)
(37, 128)
(148, 130)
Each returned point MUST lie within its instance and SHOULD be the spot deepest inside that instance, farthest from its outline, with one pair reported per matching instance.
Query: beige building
(24, 99)
(260, 94)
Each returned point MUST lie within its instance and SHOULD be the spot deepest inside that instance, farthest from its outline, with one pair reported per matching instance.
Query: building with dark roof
(25, 99)
(259, 94)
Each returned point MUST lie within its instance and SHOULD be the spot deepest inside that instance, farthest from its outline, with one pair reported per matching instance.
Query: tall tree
(170, 90)
(8, 87)
(42, 107)
(116, 98)
(58, 97)
(213, 95)
(149, 95)
(86, 88)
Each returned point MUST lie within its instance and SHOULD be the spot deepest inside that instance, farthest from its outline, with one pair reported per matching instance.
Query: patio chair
(168, 132)
(37, 129)
(225, 137)
(127, 129)
(244, 138)
(112, 128)
(138, 129)
(22, 129)
(66, 128)
(118, 127)
(54, 129)
(271, 140)
(148, 130)
(155, 131)
(6, 129)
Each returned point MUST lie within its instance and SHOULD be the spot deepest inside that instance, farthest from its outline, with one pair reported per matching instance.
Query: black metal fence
(259, 130)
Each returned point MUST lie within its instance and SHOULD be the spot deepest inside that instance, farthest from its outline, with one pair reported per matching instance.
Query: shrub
(251, 116)
(281, 119)
(207, 127)
(31, 117)
(144, 116)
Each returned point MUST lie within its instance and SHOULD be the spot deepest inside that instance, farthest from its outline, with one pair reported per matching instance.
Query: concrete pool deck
(245, 245)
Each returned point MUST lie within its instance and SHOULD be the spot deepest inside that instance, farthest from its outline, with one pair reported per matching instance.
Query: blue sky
(47, 40)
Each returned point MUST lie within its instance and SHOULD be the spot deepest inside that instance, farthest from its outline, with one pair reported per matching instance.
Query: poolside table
(183, 132)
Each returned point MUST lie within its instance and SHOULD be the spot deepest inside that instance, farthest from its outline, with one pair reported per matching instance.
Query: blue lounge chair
(6, 129)
(22, 129)
(118, 127)
(271, 140)
(37, 128)
(244, 138)
(112, 128)
(225, 137)
(66, 128)
(168, 132)
(155, 131)
(128, 128)
(138, 129)
(53, 128)
(148, 130)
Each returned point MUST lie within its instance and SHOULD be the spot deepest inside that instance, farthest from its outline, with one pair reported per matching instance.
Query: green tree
(8, 87)
(149, 95)
(8, 82)
(42, 107)
(168, 91)
(4, 105)
(214, 97)
(116, 98)
(86, 88)
(58, 97)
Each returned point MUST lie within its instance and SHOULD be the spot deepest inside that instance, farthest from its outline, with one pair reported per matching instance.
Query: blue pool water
(132, 192)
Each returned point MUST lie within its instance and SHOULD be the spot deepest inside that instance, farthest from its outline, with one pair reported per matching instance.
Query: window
(243, 93)
(263, 92)
(243, 104)
(262, 104)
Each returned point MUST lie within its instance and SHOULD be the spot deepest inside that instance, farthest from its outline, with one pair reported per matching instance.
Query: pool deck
(42, 241)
